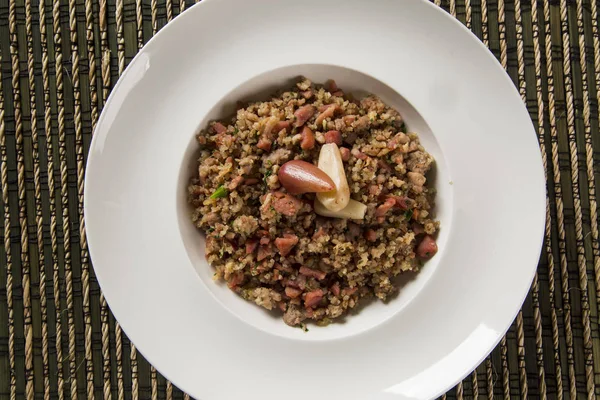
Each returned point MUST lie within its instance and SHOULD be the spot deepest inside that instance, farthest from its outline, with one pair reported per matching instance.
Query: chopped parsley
(408, 214)
(267, 175)
(219, 193)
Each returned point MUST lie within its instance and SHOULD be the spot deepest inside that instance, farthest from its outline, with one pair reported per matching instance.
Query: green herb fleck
(235, 131)
(267, 175)
(210, 229)
(219, 193)
(221, 252)
(304, 327)
(408, 214)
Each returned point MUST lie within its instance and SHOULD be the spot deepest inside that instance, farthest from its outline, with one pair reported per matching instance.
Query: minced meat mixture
(270, 246)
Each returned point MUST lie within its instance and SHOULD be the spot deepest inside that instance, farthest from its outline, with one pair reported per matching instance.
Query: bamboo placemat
(59, 61)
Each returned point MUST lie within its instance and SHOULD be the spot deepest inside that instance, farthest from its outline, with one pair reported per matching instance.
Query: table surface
(59, 60)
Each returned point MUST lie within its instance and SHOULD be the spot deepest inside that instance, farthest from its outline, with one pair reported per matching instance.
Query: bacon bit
(265, 240)
(327, 111)
(349, 291)
(415, 214)
(312, 273)
(358, 154)
(262, 232)
(335, 289)
(287, 205)
(401, 202)
(251, 181)
(313, 298)
(418, 228)
(286, 243)
(374, 190)
(308, 139)
(235, 182)
(201, 140)
(264, 144)
(345, 153)
(333, 137)
(282, 306)
(292, 292)
(307, 94)
(235, 279)
(319, 233)
(349, 119)
(338, 93)
(219, 128)
(371, 235)
(281, 125)
(303, 114)
(264, 251)
(383, 165)
(298, 283)
(251, 246)
(383, 209)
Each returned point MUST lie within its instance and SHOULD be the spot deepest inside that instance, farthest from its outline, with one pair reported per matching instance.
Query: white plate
(149, 259)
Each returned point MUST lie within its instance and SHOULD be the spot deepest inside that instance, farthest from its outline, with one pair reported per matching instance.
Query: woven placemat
(59, 61)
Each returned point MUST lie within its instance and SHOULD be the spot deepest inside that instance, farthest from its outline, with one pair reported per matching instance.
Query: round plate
(149, 259)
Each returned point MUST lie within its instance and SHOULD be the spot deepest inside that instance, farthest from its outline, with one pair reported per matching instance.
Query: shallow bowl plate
(149, 259)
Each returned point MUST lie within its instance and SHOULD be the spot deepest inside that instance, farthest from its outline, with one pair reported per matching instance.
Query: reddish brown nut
(333, 137)
(298, 177)
(308, 139)
(332, 86)
(427, 248)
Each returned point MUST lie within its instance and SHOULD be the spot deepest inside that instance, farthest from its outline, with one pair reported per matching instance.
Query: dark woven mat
(59, 61)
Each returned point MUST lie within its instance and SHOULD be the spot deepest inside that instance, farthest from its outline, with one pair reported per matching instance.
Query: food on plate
(313, 201)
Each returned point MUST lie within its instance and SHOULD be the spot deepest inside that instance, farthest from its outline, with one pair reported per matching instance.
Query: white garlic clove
(354, 210)
(330, 161)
